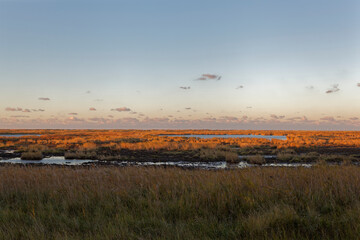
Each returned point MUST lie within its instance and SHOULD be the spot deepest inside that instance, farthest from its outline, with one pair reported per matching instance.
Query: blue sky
(126, 60)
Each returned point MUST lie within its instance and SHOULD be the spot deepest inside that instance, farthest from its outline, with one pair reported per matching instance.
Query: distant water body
(19, 135)
(182, 164)
(49, 161)
(270, 137)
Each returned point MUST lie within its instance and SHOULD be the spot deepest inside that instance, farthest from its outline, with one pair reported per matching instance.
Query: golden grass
(255, 159)
(155, 203)
(152, 139)
(32, 155)
(80, 154)
(218, 154)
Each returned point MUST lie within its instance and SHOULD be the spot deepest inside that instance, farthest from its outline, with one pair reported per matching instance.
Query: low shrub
(32, 155)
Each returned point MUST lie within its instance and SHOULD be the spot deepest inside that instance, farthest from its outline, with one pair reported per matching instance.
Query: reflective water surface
(270, 137)
(48, 161)
(182, 164)
(19, 135)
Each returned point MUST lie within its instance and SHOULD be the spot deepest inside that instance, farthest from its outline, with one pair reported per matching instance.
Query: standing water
(206, 136)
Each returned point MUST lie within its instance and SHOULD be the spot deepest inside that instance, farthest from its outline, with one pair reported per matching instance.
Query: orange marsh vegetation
(152, 139)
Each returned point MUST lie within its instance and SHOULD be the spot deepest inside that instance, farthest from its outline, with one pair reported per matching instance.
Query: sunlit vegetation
(32, 155)
(152, 139)
(96, 202)
(300, 146)
(157, 203)
(80, 154)
(218, 154)
(255, 159)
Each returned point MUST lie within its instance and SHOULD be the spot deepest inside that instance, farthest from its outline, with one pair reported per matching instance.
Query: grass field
(157, 203)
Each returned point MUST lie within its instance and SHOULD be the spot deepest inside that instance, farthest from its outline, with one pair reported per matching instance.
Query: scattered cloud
(122, 109)
(310, 87)
(305, 119)
(19, 116)
(188, 108)
(17, 109)
(328, 118)
(208, 76)
(92, 109)
(294, 118)
(185, 88)
(99, 100)
(88, 91)
(223, 122)
(358, 84)
(273, 116)
(38, 110)
(239, 87)
(44, 98)
(73, 113)
(354, 118)
(10, 109)
(75, 119)
(98, 120)
(229, 119)
(334, 88)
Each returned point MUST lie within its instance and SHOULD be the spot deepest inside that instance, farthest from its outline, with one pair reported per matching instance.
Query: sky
(190, 64)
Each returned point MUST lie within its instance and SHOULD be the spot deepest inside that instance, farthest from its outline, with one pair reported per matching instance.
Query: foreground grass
(156, 203)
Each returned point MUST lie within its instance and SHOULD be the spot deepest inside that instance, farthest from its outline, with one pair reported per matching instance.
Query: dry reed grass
(32, 155)
(155, 203)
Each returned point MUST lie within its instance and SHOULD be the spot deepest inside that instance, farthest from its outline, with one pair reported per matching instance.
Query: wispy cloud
(88, 91)
(19, 116)
(358, 84)
(10, 109)
(239, 87)
(334, 88)
(92, 109)
(185, 88)
(310, 87)
(188, 108)
(223, 122)
(99, 120)
(38, 110)
(44, 98)
(75, 119)
(229, 118)
(273, 116)
(208, 76)
(122, 109)
(73, 113)
(17, 109)
(328, 118)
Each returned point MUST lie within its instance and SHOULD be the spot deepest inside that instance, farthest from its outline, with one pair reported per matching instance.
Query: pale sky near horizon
(137, 64)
